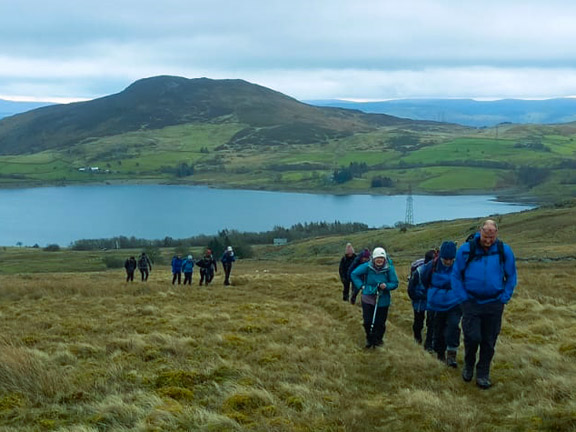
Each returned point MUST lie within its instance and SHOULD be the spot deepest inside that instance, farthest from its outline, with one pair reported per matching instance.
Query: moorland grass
(279, 350)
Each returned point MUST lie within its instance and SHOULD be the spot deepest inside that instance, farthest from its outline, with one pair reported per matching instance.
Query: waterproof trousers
(481, 324)
(376, 336)
(418, 326)
(188, 278)
(447, 330)
(227, 271)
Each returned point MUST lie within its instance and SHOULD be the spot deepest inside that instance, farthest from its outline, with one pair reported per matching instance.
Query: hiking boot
(379, 343)
(484, 383)
(451, 359)
(467, 373)
(441, 356)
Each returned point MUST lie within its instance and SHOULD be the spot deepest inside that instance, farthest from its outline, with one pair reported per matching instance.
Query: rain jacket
(486, 279)
(176, 265)
(367, 278)
(436, 277)
(188, 266)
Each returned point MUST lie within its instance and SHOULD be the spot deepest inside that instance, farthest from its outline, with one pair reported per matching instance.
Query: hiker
(418, 294)
(362, 258)
(444, 302)
(130, 265)
(345, 263)
(485, 275)
(207, 266)
(145, 266)
(187, 269)
(176, 269)
(227, 259)
(376, 279)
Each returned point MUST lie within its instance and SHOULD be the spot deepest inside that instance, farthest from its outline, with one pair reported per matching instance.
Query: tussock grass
(280, 351)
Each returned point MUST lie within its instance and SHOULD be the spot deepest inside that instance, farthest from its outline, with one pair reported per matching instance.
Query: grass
(443, 165)
(278, 350)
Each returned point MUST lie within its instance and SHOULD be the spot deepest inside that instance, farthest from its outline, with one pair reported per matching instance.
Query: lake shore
(505, 195)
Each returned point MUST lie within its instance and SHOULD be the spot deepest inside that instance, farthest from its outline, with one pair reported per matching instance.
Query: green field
(444, 161)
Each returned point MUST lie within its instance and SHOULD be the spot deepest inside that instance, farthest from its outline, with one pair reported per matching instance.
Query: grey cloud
(116, 41)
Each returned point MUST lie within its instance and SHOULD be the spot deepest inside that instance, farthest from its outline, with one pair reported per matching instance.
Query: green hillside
(231, 133)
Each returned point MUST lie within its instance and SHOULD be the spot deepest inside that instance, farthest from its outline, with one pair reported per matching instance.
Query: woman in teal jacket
(376, 279)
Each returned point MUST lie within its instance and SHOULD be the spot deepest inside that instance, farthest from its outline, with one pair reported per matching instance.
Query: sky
(65, 50)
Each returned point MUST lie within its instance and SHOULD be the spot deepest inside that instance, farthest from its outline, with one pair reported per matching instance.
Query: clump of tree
(224, 238)
(530, 176)
(180, 170)
(405, 141)
(51, 248)
(345, 174)
(532, 143)
(381, 181)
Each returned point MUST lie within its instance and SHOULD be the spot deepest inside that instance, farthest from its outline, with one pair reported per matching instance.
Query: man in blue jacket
(485, 275)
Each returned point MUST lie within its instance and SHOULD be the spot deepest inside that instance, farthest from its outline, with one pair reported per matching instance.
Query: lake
(63, 214)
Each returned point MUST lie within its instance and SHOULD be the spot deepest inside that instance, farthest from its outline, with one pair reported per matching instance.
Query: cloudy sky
(309, 49)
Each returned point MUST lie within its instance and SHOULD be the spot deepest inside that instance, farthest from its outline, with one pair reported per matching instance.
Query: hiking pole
(374, 318)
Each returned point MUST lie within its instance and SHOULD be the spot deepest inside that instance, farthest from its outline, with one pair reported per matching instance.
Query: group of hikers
(208, 266)
(452, 290)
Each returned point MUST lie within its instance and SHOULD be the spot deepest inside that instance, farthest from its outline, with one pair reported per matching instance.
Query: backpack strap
(472, 255)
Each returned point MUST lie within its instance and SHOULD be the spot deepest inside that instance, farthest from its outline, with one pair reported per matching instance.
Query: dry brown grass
(278, 351)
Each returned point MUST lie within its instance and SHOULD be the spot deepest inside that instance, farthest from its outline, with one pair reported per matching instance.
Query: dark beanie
(448, 250)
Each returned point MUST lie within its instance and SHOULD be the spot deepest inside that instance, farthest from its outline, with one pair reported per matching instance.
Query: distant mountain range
(269, 117)
(468, 112)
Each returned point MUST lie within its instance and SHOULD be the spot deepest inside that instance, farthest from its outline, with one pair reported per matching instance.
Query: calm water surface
(64, 214)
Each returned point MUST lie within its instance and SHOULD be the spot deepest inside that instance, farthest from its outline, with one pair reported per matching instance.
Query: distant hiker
(362, 258)
(187, 269)
(227, 259)
(145, 266)
(418, 294)
(130, 265)
(376, 279)
(345, 263)
(444, 302)
(207, 266)
(485, 274)
(176, 269)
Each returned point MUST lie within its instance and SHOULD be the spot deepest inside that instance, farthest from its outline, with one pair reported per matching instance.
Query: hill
(234, 134)
(279, 350)
(158, 102)
(469, 112)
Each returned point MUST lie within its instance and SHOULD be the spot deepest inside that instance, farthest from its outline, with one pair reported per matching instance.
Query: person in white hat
(376, 278)
(227, 259)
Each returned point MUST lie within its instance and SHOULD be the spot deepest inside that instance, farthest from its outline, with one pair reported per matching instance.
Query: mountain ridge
(157, 102)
